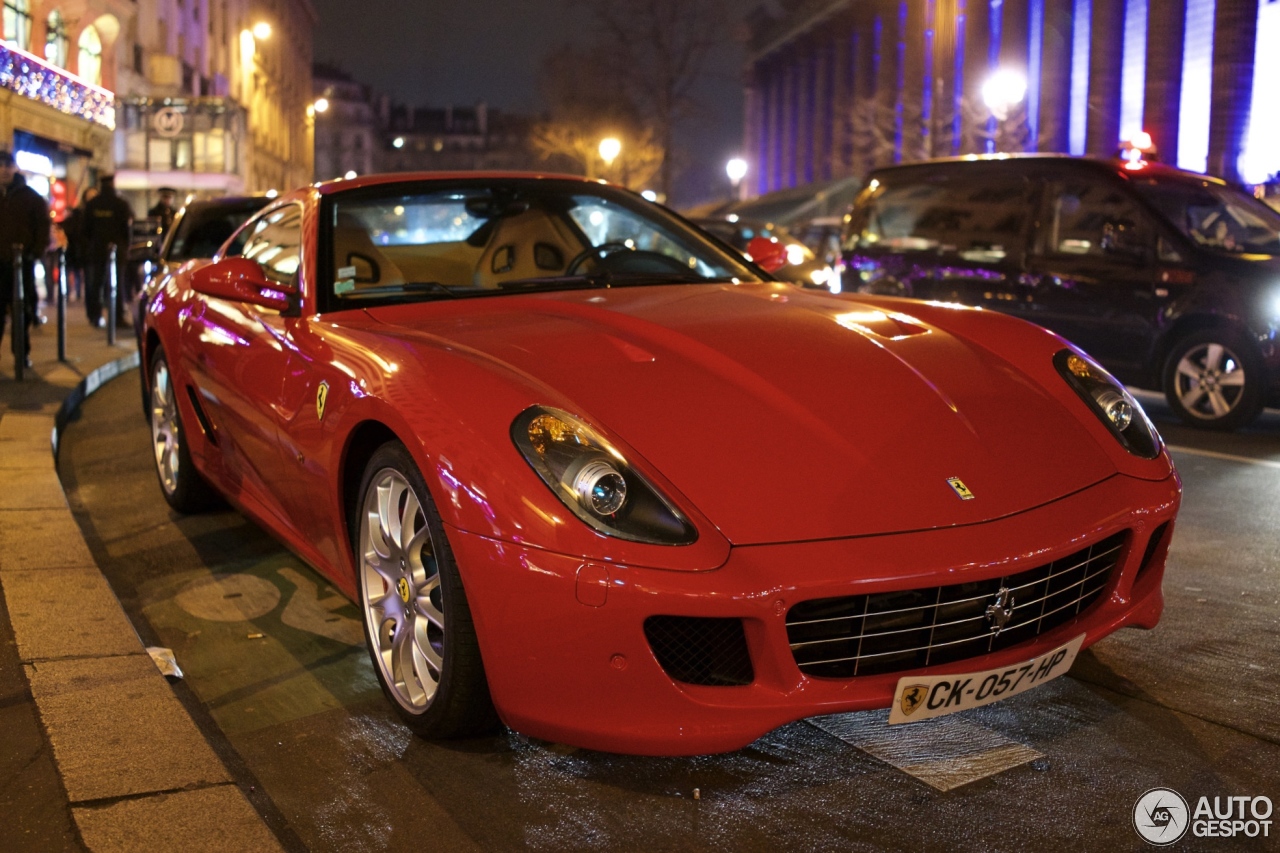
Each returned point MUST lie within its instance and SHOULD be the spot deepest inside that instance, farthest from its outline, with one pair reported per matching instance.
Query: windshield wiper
(558, 282)
(400, 289)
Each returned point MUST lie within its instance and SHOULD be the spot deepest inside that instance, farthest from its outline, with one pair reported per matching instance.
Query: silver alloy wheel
(1211, 381)
(401, 590)
(165, 433)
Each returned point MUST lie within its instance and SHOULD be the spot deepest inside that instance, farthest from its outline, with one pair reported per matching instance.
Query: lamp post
(737, 169)
(1002, 92)
(610, 148)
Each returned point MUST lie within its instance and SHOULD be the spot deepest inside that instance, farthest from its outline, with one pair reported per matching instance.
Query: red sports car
(591, 474)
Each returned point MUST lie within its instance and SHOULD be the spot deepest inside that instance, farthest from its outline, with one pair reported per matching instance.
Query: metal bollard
(19, 312)
(62, 305)
(113, 293)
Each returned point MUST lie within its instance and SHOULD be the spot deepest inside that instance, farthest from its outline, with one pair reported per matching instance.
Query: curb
(137, 771)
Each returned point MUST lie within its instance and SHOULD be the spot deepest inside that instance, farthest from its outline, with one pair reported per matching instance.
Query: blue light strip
(926, 96)
(1133, 73)
(1035, 53)
(902, 81)
(993, 62)
(1261, 157)
(1197, 81)
(1077, 118)
(957, 119)
(32, 77)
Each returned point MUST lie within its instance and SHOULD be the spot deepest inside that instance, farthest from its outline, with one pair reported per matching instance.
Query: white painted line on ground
(944, 753)
(1229, 457)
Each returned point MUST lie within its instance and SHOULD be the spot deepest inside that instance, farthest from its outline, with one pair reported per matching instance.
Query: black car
(1171, 279)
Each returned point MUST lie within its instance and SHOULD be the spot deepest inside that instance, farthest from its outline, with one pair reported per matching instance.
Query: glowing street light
(610, 148)
(262, 31)
(398, 142)
(736, 169)
(1004, 90)
(321, 105)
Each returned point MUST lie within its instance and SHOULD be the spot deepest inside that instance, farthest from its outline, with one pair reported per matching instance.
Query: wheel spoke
(409, 523)
(377, 543)
(1234, 379)
(1191, 397)
(1218, 403)
(1188, 368)
(1213, 357)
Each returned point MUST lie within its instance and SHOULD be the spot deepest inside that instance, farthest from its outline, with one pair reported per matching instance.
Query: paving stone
(26, 454)
(42, 538)
(117, 729)
(217, 820)
(61, 613)
(31, 488)
(21, 426)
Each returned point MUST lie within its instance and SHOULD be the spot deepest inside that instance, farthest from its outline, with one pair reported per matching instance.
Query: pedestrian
(24, 221)
(77, 248)
(108, 221)
(163, 211)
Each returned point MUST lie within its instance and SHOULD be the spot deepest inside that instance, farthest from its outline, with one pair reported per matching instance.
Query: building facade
(837, 87)
(209, 97)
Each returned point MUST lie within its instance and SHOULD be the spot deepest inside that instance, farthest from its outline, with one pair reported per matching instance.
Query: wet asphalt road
(278, 679)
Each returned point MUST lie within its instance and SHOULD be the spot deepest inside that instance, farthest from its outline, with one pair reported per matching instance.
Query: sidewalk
(96, 752)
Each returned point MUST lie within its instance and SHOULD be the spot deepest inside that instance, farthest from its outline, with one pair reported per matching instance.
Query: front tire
(180, 483)
(417, 622)
(1214, 379)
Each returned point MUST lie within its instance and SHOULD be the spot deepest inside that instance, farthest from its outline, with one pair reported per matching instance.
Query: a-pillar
(1235, 33)
(1166, 20)
(1106, 51)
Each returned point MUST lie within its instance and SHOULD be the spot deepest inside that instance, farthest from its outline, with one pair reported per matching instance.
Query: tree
(654, 52)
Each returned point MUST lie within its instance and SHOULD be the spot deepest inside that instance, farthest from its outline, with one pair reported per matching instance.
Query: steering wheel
(596, 253)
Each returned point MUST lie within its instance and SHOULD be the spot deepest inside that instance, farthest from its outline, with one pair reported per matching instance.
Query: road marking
(307, 611)
(1213, 454)
(944, 753)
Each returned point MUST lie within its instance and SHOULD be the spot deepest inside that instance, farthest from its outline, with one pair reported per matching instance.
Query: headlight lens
(1113, 405)
(594, 480)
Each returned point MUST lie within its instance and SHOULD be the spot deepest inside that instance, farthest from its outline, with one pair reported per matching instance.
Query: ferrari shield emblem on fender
(322, 396)
(960, 488)
(912, 698)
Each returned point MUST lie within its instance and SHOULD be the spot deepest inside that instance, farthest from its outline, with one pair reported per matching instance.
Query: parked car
(1171, 279)
(801, 265)
(573, 462)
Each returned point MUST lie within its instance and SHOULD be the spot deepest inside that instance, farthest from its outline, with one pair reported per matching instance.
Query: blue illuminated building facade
(837, 87)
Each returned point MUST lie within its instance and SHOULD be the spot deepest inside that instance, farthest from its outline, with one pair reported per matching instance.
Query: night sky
(437, 52)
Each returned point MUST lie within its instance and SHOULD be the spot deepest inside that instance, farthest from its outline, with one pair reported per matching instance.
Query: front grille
(915, 628)
(699, 650)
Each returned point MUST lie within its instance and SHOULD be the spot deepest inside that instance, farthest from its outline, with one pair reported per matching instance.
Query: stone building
(836, 87)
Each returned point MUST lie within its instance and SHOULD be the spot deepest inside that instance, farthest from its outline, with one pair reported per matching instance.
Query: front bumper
(567, 659)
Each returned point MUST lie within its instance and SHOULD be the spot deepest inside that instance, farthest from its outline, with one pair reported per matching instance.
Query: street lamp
(610, 148)
(321, 105)
(1004, 90)
(262, 31)
(736, 169)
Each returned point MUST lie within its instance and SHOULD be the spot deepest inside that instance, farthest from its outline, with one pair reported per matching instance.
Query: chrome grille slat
(844, 637)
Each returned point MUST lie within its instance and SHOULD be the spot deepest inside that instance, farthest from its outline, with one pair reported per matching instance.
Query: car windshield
(398, 242)
(1216, 217)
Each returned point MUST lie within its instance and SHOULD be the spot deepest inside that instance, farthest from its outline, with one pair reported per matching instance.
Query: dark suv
(1169, 278)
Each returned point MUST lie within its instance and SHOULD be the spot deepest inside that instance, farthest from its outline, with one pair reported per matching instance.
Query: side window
(274, 240)
(1094, 218)
(979, 220)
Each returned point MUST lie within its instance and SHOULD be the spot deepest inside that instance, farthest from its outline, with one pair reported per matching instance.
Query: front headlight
(594, 480)
(1109, 400)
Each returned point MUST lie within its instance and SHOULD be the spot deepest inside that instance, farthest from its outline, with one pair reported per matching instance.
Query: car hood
(780, 414)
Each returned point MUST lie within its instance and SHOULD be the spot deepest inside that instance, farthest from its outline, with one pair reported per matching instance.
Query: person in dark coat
(77, 250)
(163, 211)
(24, 220)
(108, 220)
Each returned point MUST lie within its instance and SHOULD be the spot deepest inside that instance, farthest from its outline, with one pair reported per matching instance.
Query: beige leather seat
(353, 247)
(531, 244)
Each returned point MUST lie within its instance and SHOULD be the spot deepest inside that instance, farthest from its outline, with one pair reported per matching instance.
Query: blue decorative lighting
(1261, 157)
(1078, 115)
(32, 77)
(993, 61)
(1035, 58)
(1133, 73)
(1197, 83)
(901, 81)
(957, 119)
(926, 96)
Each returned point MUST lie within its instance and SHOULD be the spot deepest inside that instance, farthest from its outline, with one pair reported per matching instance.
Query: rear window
(980, 219)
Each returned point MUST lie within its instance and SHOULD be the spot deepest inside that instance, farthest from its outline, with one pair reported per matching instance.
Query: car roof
(381, 178)
(1028, 162)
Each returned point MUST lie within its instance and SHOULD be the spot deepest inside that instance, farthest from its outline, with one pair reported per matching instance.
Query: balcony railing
(34, 78)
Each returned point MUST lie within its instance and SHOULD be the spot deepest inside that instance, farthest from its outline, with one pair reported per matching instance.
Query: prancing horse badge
(322, 396)
(960, 488)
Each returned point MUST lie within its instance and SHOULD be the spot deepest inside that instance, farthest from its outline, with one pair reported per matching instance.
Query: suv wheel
(1213, 379)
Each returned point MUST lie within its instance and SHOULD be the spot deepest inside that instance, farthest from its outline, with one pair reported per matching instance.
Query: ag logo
(1160, 816)
(402, 587)
(322, 397)
(960, 488)
(912, 698)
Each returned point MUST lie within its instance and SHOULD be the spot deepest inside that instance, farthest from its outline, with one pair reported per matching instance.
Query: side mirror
(242, 280)
(769, 255)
